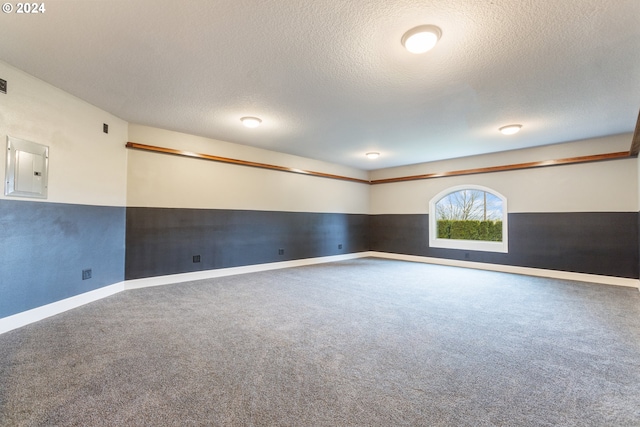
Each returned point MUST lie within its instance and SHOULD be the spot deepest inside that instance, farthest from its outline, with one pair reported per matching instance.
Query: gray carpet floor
(367, 342)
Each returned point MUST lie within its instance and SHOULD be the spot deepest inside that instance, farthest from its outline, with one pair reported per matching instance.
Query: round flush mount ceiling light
(510, 129)
(372, 155)
(421, 39)
(251, 122)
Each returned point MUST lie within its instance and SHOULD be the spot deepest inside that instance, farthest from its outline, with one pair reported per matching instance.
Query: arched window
(469, 217)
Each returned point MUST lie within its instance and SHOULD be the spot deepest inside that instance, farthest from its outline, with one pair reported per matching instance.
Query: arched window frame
(471, 245)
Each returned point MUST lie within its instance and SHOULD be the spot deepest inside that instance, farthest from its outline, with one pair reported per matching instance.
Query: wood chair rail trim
(183, 153)
(490, 169)
(503, 168)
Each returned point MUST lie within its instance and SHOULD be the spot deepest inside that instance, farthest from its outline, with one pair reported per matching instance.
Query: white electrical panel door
(27, 169)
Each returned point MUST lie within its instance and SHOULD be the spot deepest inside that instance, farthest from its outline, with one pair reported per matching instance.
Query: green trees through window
(470, 215)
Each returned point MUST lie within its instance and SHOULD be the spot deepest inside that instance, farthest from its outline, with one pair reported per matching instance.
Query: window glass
(469, 217)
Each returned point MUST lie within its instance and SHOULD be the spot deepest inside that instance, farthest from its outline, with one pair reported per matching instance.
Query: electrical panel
(27, 169)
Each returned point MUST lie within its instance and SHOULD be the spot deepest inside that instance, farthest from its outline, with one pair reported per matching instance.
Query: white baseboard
(30, 316)
(221, 272)
(539, 272)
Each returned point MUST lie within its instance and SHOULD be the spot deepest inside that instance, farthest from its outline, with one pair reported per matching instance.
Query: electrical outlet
(196, 258)
(280, 251)
(3, 86)
(340, 246)
(105, 128)
(86, 274)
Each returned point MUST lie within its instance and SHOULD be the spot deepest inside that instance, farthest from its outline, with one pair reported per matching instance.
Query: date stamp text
(23, 8)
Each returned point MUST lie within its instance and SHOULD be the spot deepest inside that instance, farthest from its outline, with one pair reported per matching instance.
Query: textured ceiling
(330, 79)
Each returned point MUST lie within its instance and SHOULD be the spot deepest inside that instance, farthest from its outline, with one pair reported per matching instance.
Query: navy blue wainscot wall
(163, 241)
(44, 248)
(603, 243)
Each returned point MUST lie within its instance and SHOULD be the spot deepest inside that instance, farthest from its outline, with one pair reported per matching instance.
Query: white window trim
(470, 245)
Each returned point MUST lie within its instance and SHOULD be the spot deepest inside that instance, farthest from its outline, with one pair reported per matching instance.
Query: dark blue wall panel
(163, 241)
(45, 246)
(604, 243)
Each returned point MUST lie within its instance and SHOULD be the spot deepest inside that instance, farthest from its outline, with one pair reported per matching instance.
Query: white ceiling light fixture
(372, 155)
(510, 129)
(421, 39)
(251, 122)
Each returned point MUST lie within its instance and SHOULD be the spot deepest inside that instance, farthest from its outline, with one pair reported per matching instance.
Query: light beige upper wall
(86, 166)
(609, 186)
(90, 167)
(161, 180)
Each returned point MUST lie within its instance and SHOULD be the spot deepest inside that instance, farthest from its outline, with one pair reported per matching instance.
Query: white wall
(86, 166)
(161, 180)
(609, 186)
